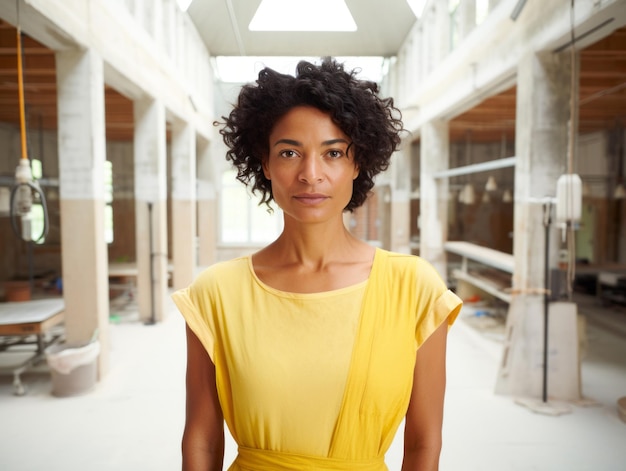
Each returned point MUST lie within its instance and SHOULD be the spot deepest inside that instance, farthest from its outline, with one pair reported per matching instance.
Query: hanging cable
(24, 189)
(20, 87)
(571, 240)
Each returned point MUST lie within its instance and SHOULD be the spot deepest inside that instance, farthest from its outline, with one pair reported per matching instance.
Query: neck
(316, 244)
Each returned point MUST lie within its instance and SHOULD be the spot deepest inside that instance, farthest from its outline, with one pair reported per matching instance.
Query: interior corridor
(133, 419)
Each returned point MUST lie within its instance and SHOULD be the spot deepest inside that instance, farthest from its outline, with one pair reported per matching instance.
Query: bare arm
(203, 438)
(424, 418)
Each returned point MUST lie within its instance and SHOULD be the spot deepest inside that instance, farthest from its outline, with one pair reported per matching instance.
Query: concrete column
(467, 18)
(541, 136)
(150, 208)
(543, 112)
(82, 153)
(493, 4)
(434, 157)
(401, 202)
(428, 38)
(156, 22)
(207, 206)
(441, 36)
(183, 204)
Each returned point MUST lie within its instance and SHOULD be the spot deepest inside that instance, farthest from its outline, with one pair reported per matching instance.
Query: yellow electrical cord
(20, 88)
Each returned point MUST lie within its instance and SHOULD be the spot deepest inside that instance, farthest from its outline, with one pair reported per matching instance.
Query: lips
(310, 198)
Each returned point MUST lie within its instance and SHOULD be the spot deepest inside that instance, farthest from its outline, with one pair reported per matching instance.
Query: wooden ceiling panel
(602, 96)
(602, 93)
(40, 89)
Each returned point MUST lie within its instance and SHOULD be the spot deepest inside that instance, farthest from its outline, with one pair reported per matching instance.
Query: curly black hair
(372, 123)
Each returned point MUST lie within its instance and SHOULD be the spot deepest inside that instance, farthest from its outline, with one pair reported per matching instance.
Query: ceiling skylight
(417, 6)
(184, 4)
(302, 15)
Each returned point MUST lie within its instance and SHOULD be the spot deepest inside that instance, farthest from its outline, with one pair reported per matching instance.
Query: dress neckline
(317, 294)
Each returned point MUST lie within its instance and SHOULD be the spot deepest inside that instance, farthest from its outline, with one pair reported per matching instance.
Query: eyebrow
(330, 142)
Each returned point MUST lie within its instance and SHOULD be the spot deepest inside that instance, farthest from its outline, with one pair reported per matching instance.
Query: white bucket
(74, 369)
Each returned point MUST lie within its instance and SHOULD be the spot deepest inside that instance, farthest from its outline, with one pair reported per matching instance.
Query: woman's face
(310, 165)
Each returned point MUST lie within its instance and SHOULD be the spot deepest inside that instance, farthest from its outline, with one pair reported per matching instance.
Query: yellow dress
(318, 380)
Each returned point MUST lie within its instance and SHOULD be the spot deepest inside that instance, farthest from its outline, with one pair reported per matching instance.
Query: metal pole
(546, 299)
(152, 319)
(31, 266)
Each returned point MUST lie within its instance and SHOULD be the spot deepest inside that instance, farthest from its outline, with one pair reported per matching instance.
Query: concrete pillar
(428, 38)
(82, 153)
(207, 205)
(543, 112)
(493, 4)
(541, 136)
(441, 33)
(434, 157)
(183, 204)
(400, 201)
(155, 17)
(418, 66)
(150, 208)
(467, 18)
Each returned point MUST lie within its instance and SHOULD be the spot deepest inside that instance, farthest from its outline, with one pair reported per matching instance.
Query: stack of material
(621, 408)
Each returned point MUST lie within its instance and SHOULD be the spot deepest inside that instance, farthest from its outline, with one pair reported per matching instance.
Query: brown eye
(288, 154)
(335, 154)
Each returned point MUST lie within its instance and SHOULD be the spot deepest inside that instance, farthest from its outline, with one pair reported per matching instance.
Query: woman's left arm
(424, 418)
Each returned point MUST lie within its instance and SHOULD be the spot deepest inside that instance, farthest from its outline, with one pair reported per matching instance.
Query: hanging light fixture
(461, 197)
(507, 197)
(620, 192)
(491, 184)
(486, 198)
(469, 195)
(26, 189)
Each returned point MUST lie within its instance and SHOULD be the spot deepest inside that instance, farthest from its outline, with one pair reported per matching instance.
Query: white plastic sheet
(65, 358)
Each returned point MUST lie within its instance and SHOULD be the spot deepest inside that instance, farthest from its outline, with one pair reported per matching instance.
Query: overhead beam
(477, 168)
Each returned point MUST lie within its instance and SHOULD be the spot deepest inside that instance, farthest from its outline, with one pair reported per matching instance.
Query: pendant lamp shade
(469, 195)
(507, 197)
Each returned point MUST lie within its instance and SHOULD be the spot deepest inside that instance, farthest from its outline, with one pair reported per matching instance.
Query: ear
(266, 168)
(356, 173)
(350, 151)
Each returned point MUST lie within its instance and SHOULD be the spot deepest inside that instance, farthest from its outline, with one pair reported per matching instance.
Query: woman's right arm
(203, 438)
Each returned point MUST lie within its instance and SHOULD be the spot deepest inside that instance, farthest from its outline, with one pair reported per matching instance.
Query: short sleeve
(436, 303)
(195, 305)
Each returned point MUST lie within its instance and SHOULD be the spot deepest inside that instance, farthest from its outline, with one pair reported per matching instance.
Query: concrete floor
(133, 419)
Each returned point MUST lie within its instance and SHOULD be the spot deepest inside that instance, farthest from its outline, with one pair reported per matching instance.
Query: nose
(310, 169)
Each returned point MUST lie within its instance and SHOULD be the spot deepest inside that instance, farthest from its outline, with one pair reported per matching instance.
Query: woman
(315, 348)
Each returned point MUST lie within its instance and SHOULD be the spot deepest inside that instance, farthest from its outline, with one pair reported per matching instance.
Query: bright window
(184, 4)
(417, 6)
(36, 222)
(482, 10)
(242, 69)
(243, 221)
(302, 15)
(36, 212)
(453, 8)
(36, 169)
